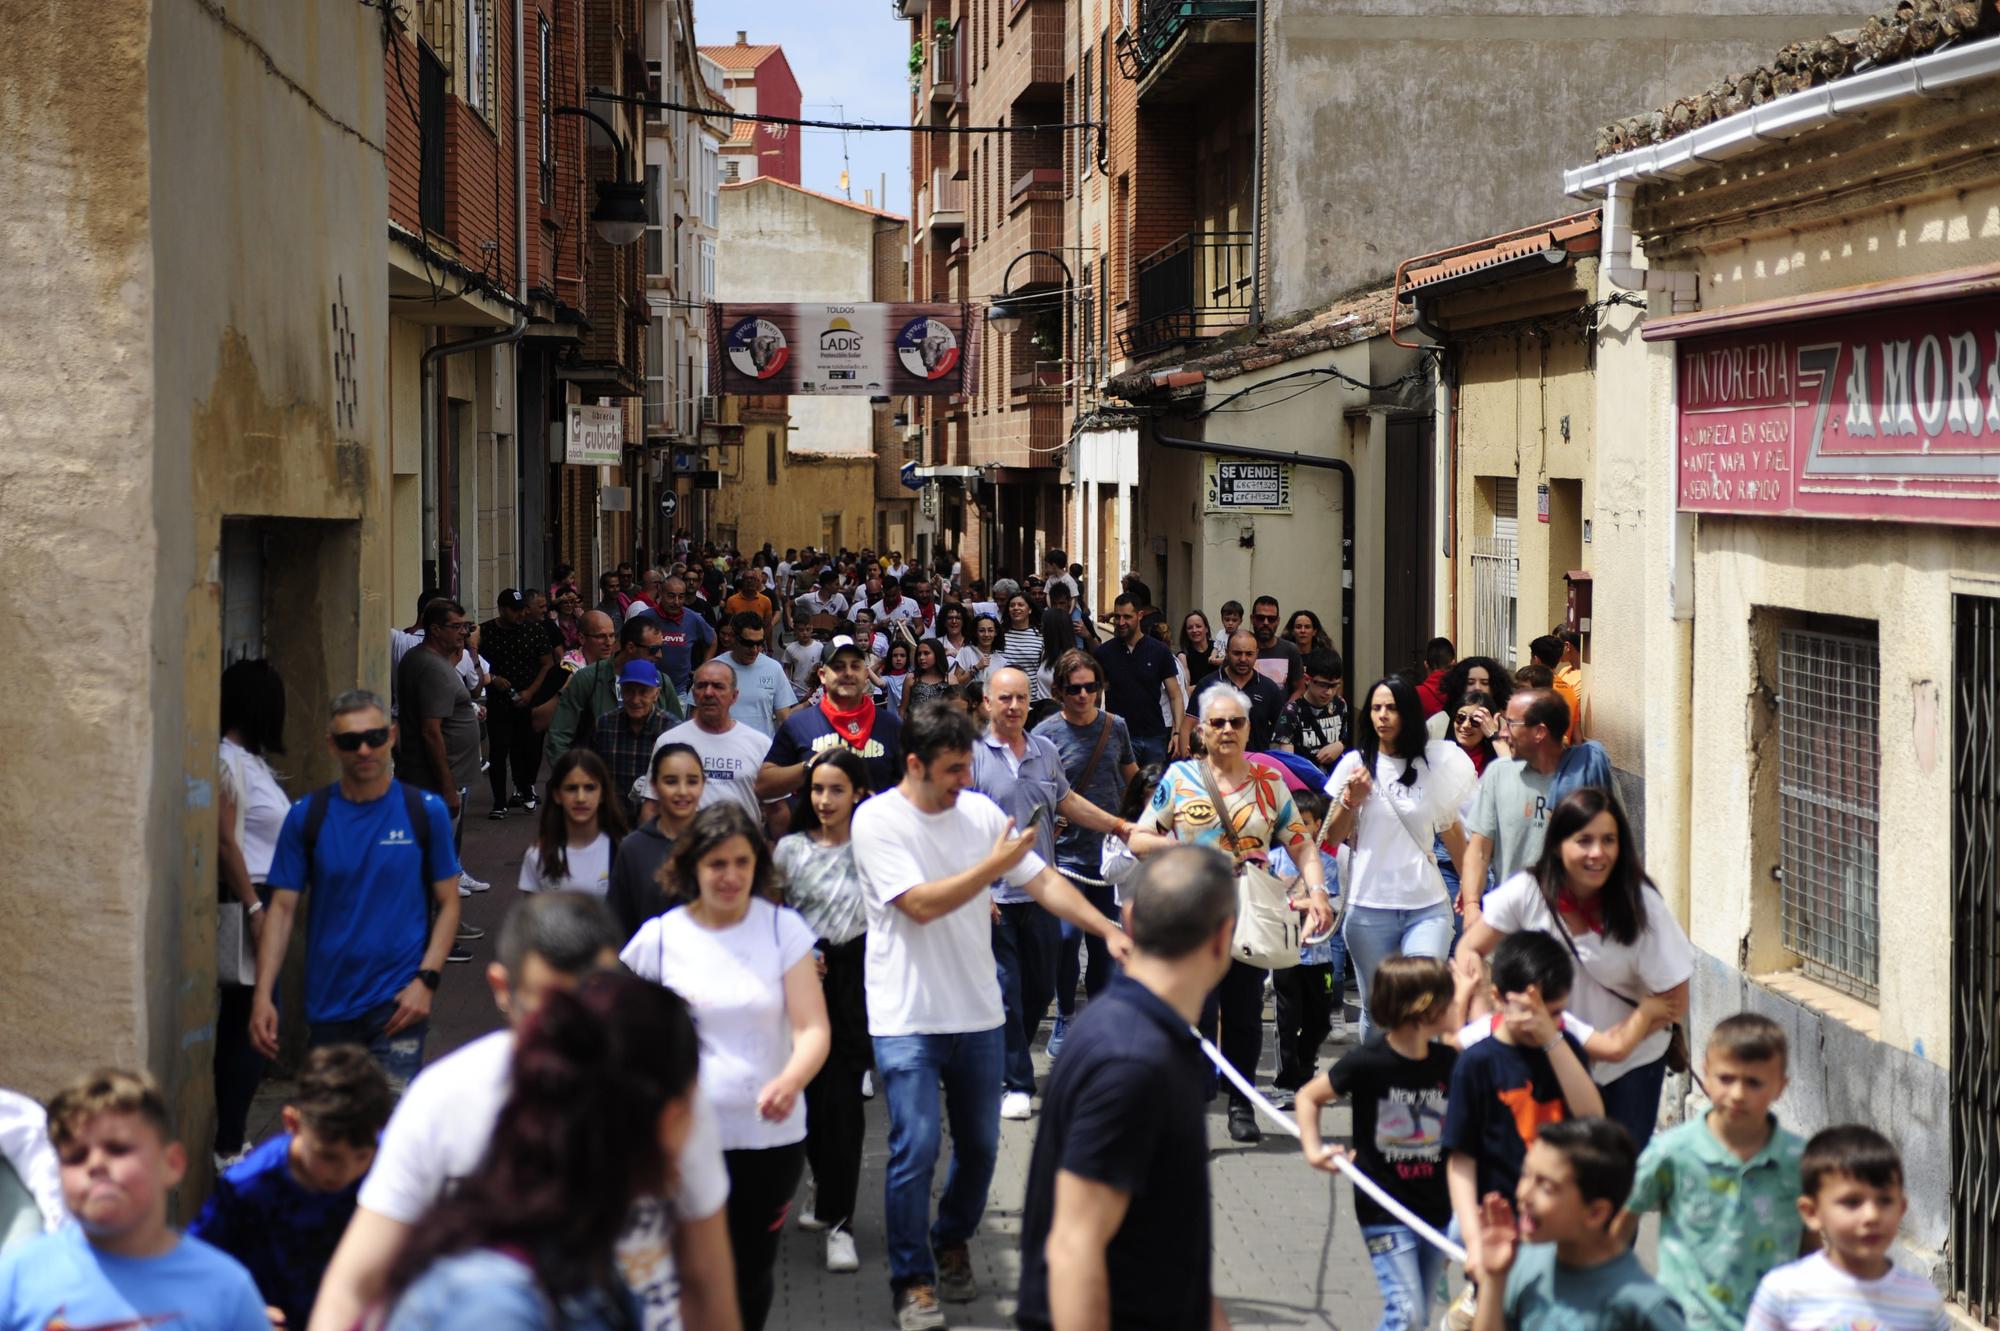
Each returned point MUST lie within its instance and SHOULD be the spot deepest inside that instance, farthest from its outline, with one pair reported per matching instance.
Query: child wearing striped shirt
(1851, 1196)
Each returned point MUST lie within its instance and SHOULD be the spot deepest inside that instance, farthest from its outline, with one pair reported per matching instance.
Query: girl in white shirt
(745, 965)
(1397, 793)
(582, 824)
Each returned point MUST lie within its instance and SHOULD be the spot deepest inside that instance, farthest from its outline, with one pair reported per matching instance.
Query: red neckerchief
(855, 724)
(1591, 912)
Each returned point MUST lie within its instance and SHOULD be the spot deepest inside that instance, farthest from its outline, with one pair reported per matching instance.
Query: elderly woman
(1259, 814)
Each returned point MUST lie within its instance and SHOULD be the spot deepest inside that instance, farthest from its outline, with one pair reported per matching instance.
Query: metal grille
(1495, 577)
(1975, 959)
(1829, 728)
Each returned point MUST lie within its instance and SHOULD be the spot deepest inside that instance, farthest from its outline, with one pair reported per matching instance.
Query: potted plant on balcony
(917, 65)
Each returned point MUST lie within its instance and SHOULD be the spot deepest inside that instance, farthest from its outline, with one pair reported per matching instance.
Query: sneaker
(498, 813)
(458, 953)
(1243, 1124)
(467, 883)
(529, 803)
(224, 1163)
(1017, 1105)
(917, 1310)
(1339, 1032)
(468, 933)
(1280, 1097)
(1056, 1035)
(517, 800)
(463, 890)
(808, 1217)
(955, 1282)
(1458, 1317)
(840, 1254)
(867, 1085)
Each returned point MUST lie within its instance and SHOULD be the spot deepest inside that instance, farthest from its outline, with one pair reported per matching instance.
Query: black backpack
(320, 800)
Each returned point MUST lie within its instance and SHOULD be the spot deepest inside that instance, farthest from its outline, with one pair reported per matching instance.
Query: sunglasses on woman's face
(1467, 718)
(351, 741)
(1229, 722)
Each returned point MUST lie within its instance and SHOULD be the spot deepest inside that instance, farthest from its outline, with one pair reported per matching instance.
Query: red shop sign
(1891, 415)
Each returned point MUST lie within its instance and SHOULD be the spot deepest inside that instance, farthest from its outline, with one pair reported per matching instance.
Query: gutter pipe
(1615, 179)
(1186, 445)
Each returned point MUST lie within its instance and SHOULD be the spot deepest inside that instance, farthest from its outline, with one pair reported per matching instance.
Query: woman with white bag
(1396, 793)
(1226, 802)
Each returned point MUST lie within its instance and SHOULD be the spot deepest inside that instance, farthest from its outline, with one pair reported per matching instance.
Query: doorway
(1407, 622)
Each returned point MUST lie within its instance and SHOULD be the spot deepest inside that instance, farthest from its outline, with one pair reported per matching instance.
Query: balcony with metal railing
(945, 67)
(1180, 50)
(1195, 286)
(945, 201)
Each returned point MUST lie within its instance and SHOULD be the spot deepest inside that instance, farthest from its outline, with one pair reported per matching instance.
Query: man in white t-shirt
(674, 1254)
(731, 752)
(927, 851)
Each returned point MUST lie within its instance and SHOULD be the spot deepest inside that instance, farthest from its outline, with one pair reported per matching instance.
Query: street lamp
(1005, 318)
(620, 215)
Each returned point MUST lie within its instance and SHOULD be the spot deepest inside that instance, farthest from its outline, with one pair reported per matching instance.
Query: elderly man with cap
(844, 715)
(624, 736)
(593, 690)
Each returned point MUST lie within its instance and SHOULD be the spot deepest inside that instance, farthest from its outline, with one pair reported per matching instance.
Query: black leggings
(833, 1098)
(238, 1068)
(1239, 1002)
(761, 1184)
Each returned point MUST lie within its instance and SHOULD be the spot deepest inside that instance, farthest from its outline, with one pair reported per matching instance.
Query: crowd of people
(812, 828)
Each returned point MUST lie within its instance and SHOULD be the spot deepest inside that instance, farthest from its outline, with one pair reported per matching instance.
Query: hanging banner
(1889, 415)
(866, 350)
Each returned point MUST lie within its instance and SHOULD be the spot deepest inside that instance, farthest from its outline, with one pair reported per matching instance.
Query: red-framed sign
(1892, 414)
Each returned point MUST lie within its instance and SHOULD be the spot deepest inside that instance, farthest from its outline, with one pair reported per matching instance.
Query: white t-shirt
(439, 1133)
(903, 609)
(936, 978)
(261, 802)
(1394, 867)
(802, 663)
(734, 980)
(1660, 959)
(729, 762)
(589, 869)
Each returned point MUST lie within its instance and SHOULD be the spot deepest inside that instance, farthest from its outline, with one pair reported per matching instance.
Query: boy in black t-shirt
(1529, 1073)
(1397, 1083)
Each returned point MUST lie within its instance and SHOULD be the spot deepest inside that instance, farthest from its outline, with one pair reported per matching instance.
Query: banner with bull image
(866, 350)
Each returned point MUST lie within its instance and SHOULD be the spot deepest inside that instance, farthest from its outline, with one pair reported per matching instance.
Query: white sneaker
(808, 1219)
(1017, 1105)
(840, 1254)
(467, 885)
(867, 1085)
(1338, 1034)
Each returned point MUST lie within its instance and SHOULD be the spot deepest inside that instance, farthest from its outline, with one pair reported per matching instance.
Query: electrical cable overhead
(855, 126)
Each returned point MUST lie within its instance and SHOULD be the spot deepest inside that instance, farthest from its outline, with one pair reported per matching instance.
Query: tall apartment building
(758, 80)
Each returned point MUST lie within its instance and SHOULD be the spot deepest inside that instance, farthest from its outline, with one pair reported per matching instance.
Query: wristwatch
(431, 979)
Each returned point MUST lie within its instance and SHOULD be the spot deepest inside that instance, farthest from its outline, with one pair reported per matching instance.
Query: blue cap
(640, 672)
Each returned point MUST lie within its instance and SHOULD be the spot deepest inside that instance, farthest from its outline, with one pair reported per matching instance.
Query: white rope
(1340, 1162)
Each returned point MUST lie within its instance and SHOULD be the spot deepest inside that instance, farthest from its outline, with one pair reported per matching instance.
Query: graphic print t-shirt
(1501, 1095)
(1399, 1111)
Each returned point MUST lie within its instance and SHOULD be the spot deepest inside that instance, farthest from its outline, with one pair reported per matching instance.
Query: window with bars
(479, 56)
(437, 27)
(1496, 571)
(1829, 808)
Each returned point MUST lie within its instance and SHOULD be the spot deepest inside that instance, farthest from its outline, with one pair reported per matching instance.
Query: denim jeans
(1025, 940)
(1375, 933)
(400, 1056)
(1095, 967)
(915, 1071)
(1407, 1270)
(1149, 749)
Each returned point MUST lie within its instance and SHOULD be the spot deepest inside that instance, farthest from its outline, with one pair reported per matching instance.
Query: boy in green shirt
(1726, 1185)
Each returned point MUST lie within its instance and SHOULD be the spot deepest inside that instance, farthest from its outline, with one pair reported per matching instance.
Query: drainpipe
(1257, 180)
(1166, 440)
(1616, 259)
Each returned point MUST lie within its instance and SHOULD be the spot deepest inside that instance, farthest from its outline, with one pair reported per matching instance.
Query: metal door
(1975, 958)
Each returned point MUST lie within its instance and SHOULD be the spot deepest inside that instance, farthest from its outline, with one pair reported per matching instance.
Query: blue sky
(851, 52)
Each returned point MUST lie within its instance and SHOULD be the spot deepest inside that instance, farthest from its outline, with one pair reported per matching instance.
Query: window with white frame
(657, 405)
(478, 86)
(711, 179)
(656, 257)
(706, 271)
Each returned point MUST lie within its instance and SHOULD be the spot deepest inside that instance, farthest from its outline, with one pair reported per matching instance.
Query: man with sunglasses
(374, 950)
(1239, 668)
(593, 690)
(1277, 659)
(438, 749)
(1098, 760)
(764, 694)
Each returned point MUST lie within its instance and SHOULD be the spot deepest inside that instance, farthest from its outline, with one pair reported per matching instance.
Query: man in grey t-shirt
(1517, 794)
(439, 745)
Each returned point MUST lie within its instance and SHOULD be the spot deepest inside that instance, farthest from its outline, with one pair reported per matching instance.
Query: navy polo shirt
(1133, 680)
(1125, 1107)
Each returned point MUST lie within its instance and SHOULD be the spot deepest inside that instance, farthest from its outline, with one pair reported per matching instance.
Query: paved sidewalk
(1279, 1263)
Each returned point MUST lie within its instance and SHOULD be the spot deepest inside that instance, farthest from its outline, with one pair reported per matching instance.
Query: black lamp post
(1005, 318)
(620, 215)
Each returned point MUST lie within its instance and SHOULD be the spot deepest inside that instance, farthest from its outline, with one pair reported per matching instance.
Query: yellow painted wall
(809, 487)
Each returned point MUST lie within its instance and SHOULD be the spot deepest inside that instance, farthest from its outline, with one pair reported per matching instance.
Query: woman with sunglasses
(1474, 674)
(1476, 729)
(1397, 793)
(1193, 800)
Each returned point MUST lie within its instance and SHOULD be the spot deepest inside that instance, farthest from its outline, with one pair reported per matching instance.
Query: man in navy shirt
(373, 946)
(845, 714)
(1137, 670)
(1115, 1229)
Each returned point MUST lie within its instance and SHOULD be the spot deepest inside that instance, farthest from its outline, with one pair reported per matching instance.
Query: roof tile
(740, 57)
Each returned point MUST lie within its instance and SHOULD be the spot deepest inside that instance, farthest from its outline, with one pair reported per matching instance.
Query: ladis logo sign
(757, 348)
(927, 348)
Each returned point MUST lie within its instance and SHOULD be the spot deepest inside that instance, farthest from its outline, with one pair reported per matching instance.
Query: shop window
(1827, 699)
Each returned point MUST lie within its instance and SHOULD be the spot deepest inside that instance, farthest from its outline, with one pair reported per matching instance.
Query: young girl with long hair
(1201, 655)
(745, 965)
(930, 674)
(602, 1103)
(637, 893)
(583, 821)
(1396, 793)
(822, 884)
